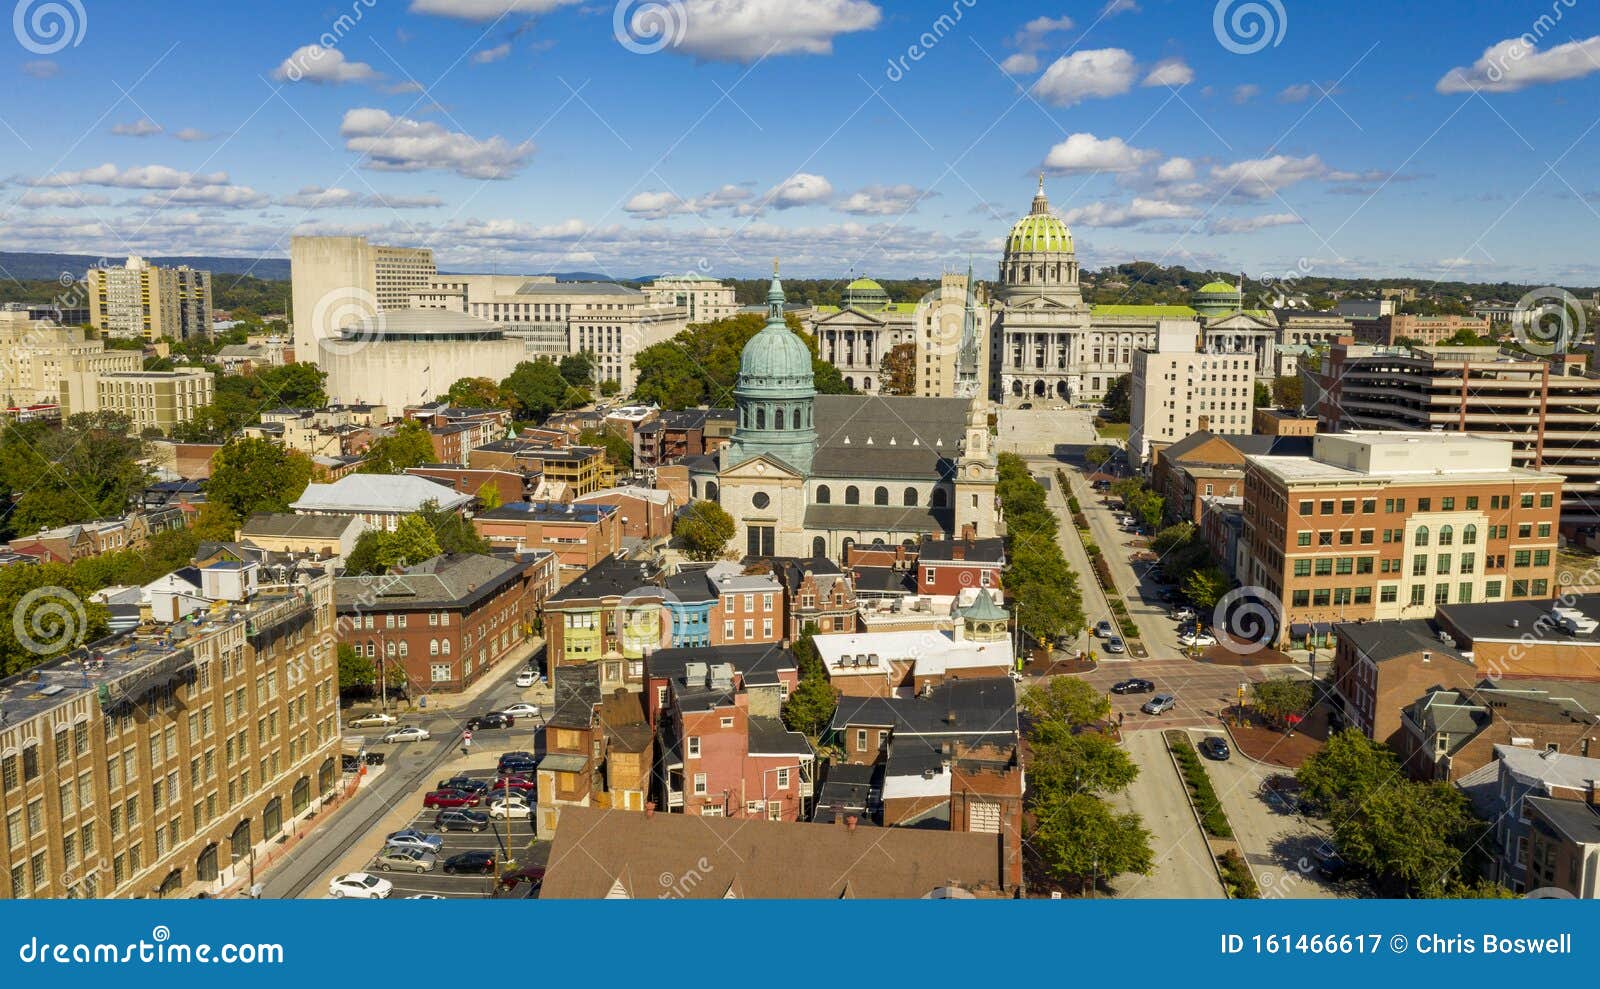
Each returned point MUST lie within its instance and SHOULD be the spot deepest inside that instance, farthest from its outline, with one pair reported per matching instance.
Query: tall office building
(142, 301)
(1178, 389)
(339, 281)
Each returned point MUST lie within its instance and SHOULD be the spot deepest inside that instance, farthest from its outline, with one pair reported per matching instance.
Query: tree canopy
(1044, 590)
(408, 446)
(88, 468)
(539, 389)
(704, 528)
(700, 366)
(250, 474)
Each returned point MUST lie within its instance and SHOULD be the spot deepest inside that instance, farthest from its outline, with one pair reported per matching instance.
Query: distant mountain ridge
(31, 266)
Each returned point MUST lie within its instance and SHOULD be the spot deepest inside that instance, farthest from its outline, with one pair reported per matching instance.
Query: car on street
(513, 782)
(523, 710)
(457, 819)
(527, 678)
(450, 798)
(1197, 638)
(410, 733)
(405, 859)
(374, 720)
(1115, 644)
(471, 784)
(1133, 685)
(1025, 406)
(424, 896)
(494, 719)
(1213, 747)
(1182, 613)
(1159, 704)
(514, 810)
(1103, 630)
(1330, 864)
(520, 763)
(359, 886)
(415, 839)
(477, 861)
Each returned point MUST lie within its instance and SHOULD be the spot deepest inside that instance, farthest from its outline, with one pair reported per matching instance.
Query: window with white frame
(694, 746)
(783, 778)
(700, 784)
(440, 672)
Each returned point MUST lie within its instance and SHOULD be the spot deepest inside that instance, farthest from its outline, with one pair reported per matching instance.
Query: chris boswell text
(1422, 943)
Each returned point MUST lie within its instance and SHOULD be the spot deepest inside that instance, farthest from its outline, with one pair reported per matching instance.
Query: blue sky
(890, 138)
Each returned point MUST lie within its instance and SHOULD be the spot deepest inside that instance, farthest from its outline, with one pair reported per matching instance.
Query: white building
(142, 301)
(1178, 389)
(410, 356)
(379, 500)
(338, 281)
(703, 299)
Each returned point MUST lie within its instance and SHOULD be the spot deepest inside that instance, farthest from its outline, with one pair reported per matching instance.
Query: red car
(513, 782)
(450, 798)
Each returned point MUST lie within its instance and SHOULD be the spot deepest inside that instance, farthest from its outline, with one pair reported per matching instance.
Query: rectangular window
(1369, 506)
(1319, 597)
(1472, 503)
(1424, 504)
(694, 746)
(1302, 599)
(1302, 568)
(1303, 538)
(861, 740)
(1527, 501)
(1388, 594)
(699, 784)
(1547, 501)
(783, 778)
(1441, 594)
(1419, 594)
(1447, 504)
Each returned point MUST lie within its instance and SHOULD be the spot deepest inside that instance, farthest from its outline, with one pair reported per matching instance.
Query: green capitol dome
(1218, 299)
(866, 294)
(1039, 231)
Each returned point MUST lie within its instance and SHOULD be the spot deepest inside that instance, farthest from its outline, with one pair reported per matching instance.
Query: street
(1183, 866)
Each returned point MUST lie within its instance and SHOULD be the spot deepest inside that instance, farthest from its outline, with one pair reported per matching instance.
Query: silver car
(405, 859)
(1159, 704)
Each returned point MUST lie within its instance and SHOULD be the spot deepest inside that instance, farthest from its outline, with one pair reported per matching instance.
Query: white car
(410, 733)
(359, 886)
(511, 809)
(527, 678)
(1197, 639)
(522, 710)
(378, 720)
(424, 896)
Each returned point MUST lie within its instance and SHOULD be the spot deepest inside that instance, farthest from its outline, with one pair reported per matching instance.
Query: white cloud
(1084, 74)
(317, 197)
(141, 177)
(1114, 7)
(386, 201)
(222, 194)
(1138, 211)
(1246, 92)
(746, 30)
(191, 134)
(1020, 64)
(41, 69)
(60, 199)
(1087, 153)
(1298, 93)
(143, 127)
(883, 200)
(799, 189)
(1250, 224)
(1261, 177)
(1515, 63)
(1169, 72)
(1032, 36)
(1175, 170)
(486, 10)
(313, 63)
(660, 205)
(398, 144)
(494, 54)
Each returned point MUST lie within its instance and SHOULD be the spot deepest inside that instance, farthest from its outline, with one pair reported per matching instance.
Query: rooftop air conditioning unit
(1574, 622)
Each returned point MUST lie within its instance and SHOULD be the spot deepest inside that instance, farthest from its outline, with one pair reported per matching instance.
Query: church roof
(873, 436)
(879, 518)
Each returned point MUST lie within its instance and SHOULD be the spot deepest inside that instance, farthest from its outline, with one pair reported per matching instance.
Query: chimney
(850, 823)
(650, 809)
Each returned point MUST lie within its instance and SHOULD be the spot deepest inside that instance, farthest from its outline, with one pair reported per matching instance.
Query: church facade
(810, 475)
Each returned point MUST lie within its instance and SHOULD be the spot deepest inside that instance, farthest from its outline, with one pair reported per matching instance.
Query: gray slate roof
(910, 438)
(451, 580)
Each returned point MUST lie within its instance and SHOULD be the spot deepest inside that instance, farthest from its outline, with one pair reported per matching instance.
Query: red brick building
(580, 535)
(644, 513)
(949, 566)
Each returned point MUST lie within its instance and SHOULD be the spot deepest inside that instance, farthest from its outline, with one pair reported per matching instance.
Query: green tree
(488, 495)
(453, 532)
(1347, 770)
(1080, 839)
(618, 450)
(1204, 587)
(539, 389)
(610, 387)
(1086, 762)
(1263, 395)
(898, 370)
(478, 393)
(1288, 392)
(48, 612)
(88, 468)
(250, 475)
(1279, 697)
(295, 386)
(704, 529)
(809, 709)
(356, 672)
(408, 446)
(1097, 455)
(1065, 703)
(411, 542)
(578, 369)
(1421, 839)
(365, 557)
(1119, 400)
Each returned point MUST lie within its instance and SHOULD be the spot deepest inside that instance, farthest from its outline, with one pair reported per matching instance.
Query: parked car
(1159, 704)
(1103, 630)
(457, 819)
(505, 796)
(531, 876)
(477, 861)
(1213, 747)
(494, 719)
(514, 810)
(1025, 406)
(471, 784)
(410, 733)
(1197, 638)
(413, 838)
(523, 710)
(1330, 864)
(1115, 645)
(375, 720)
(450, 798)
(1133, 685)
(520, 763)
(1182, 613)
(359, 886)
(405, 859)
(522, 783)
(527, 678)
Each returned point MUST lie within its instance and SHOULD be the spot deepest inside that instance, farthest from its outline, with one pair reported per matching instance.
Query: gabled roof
(451, 580)
(382, 493)
(287, 526)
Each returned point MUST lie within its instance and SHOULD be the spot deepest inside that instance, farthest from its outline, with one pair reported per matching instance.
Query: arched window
(171, 884)
(205, 867)
(405, 648)
(433, 647)
(824, 495)
(844, 549)
(819, 547)
(272, 818)
(910, 498)
(937, 499)
(389, 648)
(1447, 535)
(239, 841)
(852, 495)
(777, 419)
(761, 417)
(325, 775)
(1422, 536)
(1469, 536)
(880, 496)
(711, 491)
(300, 796)
(444, 647)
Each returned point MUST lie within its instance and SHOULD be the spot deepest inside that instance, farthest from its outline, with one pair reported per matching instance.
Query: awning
(563, 762)
(1322, 628)
(1301, 629)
